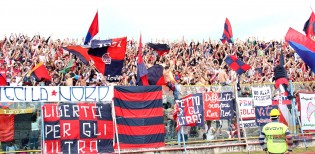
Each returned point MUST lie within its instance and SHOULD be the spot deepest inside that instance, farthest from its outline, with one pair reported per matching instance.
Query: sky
(155, 20)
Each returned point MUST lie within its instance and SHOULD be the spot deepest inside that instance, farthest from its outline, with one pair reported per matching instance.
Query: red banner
(211, 105)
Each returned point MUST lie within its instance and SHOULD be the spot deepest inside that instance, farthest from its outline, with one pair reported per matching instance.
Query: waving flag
(39, 72)
(100, 43)
(68, 67)
(109, 59)
(139, 115)
(236, 64)
(141, 70)
(227, 32)
(93, 30)
(80, 52)
(159, 48)
(155, 75)
(309, 26)
(304, 47)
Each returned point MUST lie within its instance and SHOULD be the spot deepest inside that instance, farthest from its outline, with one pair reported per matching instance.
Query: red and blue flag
(309, 26)
(109, 60)
(93, 30)
(80, 52)
(156, 76)
(159, 48)
(237, 65)
(190, 111)
(304, 47)
(141, 70)
(78, 128)
(139, 116)
(227, 32)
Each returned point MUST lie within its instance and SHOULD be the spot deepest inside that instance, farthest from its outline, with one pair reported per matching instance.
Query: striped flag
(139, 116)
(227, 35)
(309, 26)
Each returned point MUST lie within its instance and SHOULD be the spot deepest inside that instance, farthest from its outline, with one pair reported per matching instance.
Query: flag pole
(115, 124)
(296, 115)
(42, 127)
(239, 116)
(182, 134)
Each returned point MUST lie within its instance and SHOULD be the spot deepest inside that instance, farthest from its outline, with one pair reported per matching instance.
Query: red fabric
(297, 37)
(150, 112)
(281, 81)
(3, 80)
(134, 97)
(94, 26)
(309, 27)
(161, 81)
(40, 72)
(211, 108)
(6, 127)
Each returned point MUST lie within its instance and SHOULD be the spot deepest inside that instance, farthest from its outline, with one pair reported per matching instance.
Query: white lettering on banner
(246, 107)
(56, 94)
(192, 104)
(214, 98)
(54, 130)
(53, 145)
(261, 96)
(64, 111)
(81, 146)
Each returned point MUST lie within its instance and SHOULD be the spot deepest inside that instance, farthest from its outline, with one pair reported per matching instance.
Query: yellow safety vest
(275, 136)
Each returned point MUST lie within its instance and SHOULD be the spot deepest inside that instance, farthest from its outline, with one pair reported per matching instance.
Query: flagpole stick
(295, 114)
(182, 133)
(115, 124)
(42, 127)
(240, 117)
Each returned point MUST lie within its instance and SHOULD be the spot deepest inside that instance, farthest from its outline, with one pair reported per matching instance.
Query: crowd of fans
(189, 63)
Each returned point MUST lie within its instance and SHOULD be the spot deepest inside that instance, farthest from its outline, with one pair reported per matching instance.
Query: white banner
(261, 96)
(56, 94)
(248, 123)
(307, 102)
(246, 107)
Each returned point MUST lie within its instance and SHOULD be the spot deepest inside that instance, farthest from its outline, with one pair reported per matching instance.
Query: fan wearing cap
(275, 136)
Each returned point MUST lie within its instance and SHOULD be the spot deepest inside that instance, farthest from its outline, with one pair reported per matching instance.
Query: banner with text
(307, 102)
(248, 123)
(246, 107)
(263, 114)
(78, 128)
(218, 106)
(56, 94)
(190, 110)
(261, 96)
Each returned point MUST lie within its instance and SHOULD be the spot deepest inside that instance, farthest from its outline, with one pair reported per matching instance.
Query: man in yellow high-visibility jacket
(276, 135)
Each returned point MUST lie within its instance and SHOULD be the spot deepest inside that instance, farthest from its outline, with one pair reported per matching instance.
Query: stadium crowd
(189, 63)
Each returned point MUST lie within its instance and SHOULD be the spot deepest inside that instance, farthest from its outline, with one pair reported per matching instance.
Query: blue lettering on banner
(55, 94)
